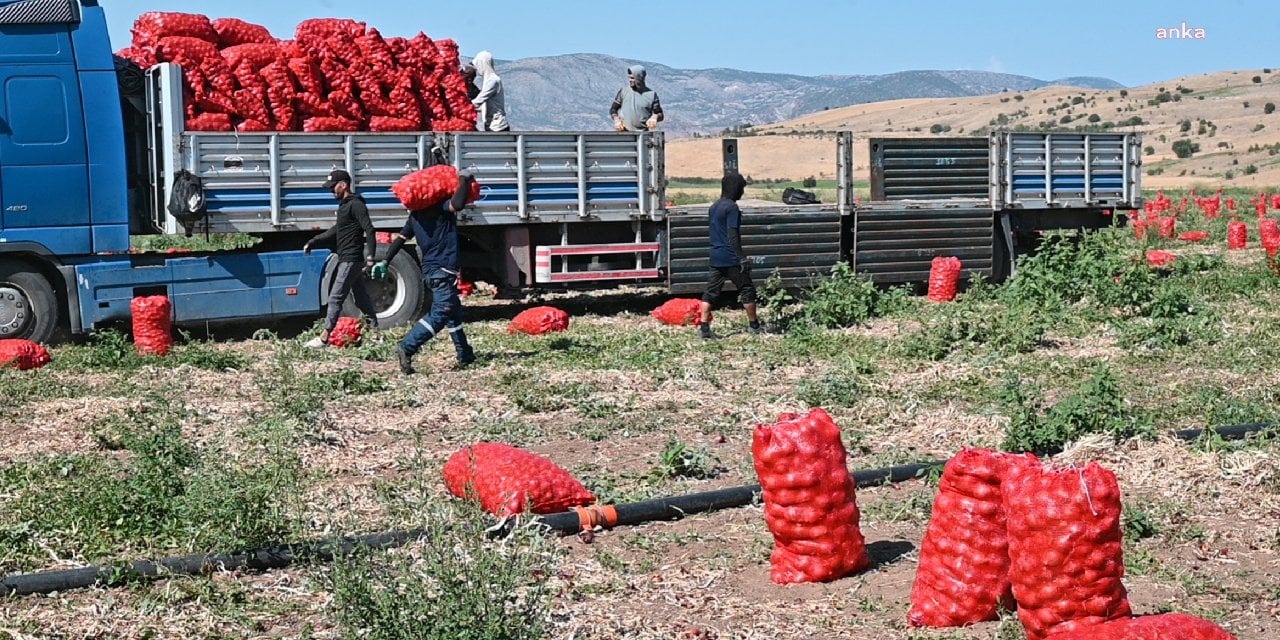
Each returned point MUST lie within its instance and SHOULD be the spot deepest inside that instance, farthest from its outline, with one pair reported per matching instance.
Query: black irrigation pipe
(567, 522)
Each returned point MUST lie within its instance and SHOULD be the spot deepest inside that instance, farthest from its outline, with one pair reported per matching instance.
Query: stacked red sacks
(429, 187)
(810, 501)
(22, 354)
(963, 574)
(506, 480)
(346, 333)
(1065, 548)
(539, 320)
(944, 278)
(1165, 626)
(152, 325)
(336, 75)
(678, 311)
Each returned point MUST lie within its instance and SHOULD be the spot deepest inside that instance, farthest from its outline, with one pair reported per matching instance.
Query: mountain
(573, 92)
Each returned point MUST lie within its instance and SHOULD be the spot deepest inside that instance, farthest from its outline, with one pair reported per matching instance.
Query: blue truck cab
(66, 198)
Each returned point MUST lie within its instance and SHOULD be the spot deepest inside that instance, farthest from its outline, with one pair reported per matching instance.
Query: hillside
(1223, 113)
(573, 92)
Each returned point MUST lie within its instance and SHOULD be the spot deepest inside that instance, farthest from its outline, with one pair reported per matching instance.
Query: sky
(1116, 39)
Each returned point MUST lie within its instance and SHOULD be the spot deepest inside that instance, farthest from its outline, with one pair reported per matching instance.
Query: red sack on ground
(539, 320)
(465, 288)
(1237, 235)
(346, 333)
(1193, 236)
(678, 311)
(1139, 228)
(1166, 626)
(944, 277)
(1065, 548)
(1168, 226)
(152, 325)
(22, 354)
(154, 25)
(1269, 231)
(429, 187)
(810, 501)
(506, 480)
(963, 574)
(234, 31)
(209, 122)
(1158, 258)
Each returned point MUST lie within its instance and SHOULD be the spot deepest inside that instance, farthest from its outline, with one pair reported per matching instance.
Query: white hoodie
(491, 102)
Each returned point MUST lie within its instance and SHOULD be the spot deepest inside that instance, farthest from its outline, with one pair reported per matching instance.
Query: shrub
(1269, 107)
(809, 182)
(843, 299)
(1257, 79)
(1098, 406)
(1185, 148)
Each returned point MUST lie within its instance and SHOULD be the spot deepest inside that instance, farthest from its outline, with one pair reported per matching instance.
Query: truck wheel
(399, 299)
(28, 306)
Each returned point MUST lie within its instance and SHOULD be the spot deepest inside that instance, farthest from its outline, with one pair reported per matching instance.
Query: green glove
(379, 271)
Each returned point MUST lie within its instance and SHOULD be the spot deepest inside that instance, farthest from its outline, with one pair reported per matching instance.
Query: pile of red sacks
(335, 75)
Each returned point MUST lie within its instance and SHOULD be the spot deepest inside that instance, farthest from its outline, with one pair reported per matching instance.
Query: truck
(91, 147)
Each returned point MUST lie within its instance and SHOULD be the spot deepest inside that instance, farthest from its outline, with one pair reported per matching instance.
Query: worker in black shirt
(728, 261)
(436, 229)
(356, 242)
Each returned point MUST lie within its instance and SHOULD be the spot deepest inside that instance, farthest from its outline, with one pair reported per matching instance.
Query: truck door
(43, 158)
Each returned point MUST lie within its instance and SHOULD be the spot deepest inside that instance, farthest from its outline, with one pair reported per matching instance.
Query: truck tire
(28, 305)
(401, 298)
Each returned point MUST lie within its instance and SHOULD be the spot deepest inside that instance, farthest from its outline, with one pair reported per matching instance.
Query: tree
(1095, 118)
(1269, 107)
(1124, 93)
(1185, 148)
(1257, 79)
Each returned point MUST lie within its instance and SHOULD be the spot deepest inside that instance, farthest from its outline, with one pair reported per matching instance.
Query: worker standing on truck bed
(636, 107)
(491, 101)
(436, 229)
(728, 261)
(356, 243)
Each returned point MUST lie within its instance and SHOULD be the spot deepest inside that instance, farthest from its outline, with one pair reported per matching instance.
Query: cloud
(995, 66)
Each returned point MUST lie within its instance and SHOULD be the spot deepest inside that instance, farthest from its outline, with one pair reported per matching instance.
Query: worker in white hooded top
(491, 102)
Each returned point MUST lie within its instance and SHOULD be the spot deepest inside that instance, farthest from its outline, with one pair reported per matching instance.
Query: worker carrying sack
(792, 195)
(186, 202)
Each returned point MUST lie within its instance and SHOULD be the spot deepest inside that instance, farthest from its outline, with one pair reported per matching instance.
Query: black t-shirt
(724, 215)
(436, 229)
(356, 240)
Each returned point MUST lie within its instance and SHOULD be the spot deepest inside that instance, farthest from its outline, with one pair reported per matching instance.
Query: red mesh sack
(1168, 226)
(329, 124)
(308, 74)
(1139, 229)
(374, 50)
(346, 333)
(145, 58)
(429, 187)
(234, 31)
(152, 330)
(209, 122)
(185, 50)
(385, 123)
(506, 480)
(465, 288)
(810, 502)
(256, 55)
(1237, 235)
(963, 574)
(154, 25)
(312, 105)
(1166, 626)
(1160, 258)
(1269, 231)
(384, 237)
(678, 311)
(944, 277)
(22, 354)
(539, 320)
(1193, 236)
(1065, 548)
(322, 29)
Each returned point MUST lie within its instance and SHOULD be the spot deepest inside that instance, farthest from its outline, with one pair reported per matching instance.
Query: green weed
(1097, 406)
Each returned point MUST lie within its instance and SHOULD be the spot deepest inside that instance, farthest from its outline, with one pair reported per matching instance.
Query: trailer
(91, 147)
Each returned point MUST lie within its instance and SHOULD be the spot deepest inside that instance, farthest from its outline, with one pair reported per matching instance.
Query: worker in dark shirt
(356, 242)
(728, 261)
(436, 230)
(469, 75)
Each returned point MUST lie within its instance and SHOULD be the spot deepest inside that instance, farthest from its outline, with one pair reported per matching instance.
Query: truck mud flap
(799, 243)
(896, 245)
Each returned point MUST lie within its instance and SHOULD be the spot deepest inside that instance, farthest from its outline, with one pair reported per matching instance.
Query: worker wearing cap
(436, 229)
(356, 242)
(636, 107)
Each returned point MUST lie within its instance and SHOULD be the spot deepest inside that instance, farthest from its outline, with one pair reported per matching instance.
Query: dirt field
(1224, 113)
(605, 400)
